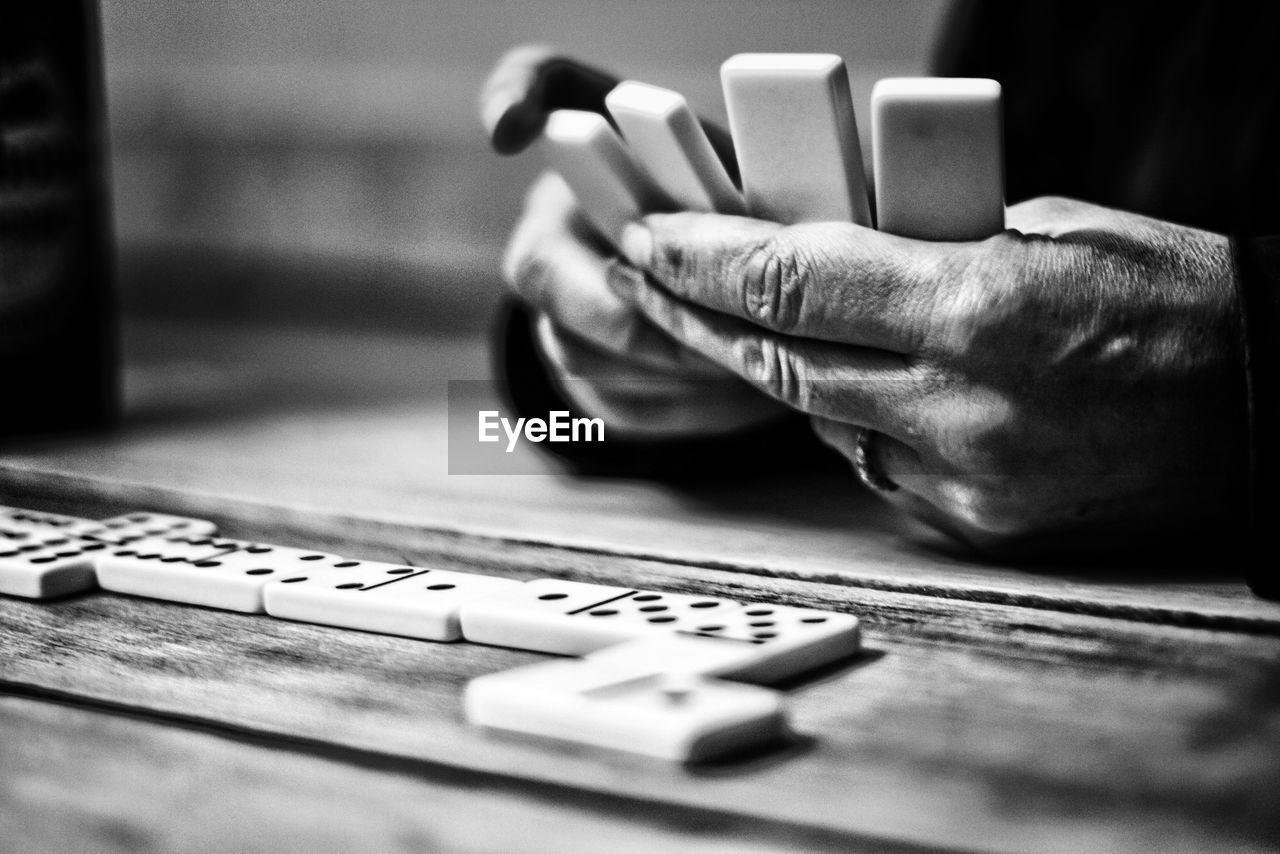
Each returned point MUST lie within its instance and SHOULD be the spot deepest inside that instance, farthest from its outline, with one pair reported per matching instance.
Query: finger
(918, 489)
(555, 264)
(667, 365)
(527, 84)
(641, 401)
(1056, 216)
(836, 282)
(887, 456)
(858, 384)
(1073, 222)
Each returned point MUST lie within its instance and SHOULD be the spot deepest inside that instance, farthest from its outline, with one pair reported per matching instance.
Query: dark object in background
(58, 359)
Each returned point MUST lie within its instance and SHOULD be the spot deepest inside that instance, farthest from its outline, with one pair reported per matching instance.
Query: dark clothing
(1169, 109)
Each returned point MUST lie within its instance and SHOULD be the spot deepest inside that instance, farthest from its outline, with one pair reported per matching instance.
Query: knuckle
(984, 512)
(548, 188)
(993, 298)
(776, 370)
(1042, 207)
(773, 275)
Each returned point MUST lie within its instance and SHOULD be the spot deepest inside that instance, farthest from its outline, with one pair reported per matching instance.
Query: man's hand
(1074, 383)
(608, 359)
(529, 82)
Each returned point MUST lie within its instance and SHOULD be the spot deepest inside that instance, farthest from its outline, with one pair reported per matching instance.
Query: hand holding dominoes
(1030, 390)
(661, 157)
(651, 681)
(609, 360)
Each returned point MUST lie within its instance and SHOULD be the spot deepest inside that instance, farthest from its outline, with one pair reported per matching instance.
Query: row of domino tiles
(937, 146)
(654, 667)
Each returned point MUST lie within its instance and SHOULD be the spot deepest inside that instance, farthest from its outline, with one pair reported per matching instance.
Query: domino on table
(695, 634)
(204, 572)
(122, 529)
(612, 188)
(17, 519)
(796, 137)
(379, 597)
(40, 566)
(755, 643)
(666, 137)
(675, 717)
(572, 618)
(939, 158)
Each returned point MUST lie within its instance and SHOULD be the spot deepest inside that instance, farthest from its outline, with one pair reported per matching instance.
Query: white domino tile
(610, 186)
(121, 529)
(673, 717)
(796, 137)
(753, 643)
(18, 519)
(230, 580)
(30, 536)
(649, 612)
(56, 566)
(762, 642)
(939, 157)
(375, 597)
(675, 653)
(665, 136)
(539, 615)
(172, 549)
(651, 682)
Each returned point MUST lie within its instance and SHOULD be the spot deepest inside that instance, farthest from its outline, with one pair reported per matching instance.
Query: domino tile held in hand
(939, 157)
(666, 138)
(796, 137)
(610, 186)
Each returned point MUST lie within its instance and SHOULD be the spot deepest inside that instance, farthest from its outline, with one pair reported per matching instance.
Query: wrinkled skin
(1076, 377)
(1073, 385)
(609, 359)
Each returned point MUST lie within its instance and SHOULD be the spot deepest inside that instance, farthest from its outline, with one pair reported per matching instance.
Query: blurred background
(322, 162)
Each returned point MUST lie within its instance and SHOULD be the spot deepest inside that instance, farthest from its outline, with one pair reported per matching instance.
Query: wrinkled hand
(1073, 384)
(608, 359)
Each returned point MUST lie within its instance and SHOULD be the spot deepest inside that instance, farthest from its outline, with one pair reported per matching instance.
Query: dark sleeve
(1258, 278)
(526, 383)
(1169, 108)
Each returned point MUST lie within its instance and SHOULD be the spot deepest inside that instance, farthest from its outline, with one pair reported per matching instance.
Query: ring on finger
(864, 464)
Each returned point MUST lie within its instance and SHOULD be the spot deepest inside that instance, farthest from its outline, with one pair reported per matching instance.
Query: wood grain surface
(986, 727)
(996, 708)
(78, 780)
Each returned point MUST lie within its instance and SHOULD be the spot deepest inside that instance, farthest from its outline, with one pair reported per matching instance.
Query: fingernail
(637, 244)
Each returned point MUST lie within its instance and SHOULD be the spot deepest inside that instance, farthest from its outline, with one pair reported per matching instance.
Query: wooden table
(995, 708)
